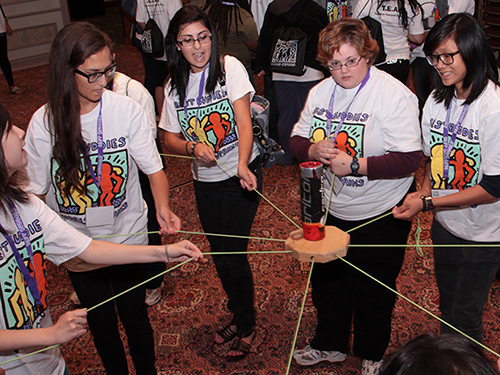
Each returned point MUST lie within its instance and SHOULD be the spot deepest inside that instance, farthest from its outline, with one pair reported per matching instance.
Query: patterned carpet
(193, 304)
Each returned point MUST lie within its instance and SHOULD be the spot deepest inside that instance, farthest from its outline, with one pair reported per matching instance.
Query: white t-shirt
(428, 6)
(161, 11)
(382, 118)
(124, 85)
(217, 124)
(51, 238)
(395, 36)
(259, 8)
(474, 154)
(129, 144)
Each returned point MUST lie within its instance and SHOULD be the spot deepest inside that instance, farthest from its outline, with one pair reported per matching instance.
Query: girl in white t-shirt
(461, 134)
(85, 148)
(207, 115)
(32, 233)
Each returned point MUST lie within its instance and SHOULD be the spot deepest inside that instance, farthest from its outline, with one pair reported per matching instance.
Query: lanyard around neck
(329, 114)
(23, 232)
(449, 143)
(100, 151)
(201, 89)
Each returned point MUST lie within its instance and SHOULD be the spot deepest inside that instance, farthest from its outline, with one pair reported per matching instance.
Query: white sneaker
(370, 367)
(309, 356)
(153, 296)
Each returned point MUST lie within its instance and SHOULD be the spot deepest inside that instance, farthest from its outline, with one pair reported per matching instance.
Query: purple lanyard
(100, 151)
(329, 114)
(200, 94)
(30, 281)
(447, 143)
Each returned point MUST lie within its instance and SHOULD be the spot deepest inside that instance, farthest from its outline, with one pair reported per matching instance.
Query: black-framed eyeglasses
(446, 58)
(351, 63)
(94, 77)
(202, 39)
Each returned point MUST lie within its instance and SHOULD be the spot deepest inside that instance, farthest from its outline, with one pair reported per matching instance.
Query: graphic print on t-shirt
(336, 10)
(349, 139)
(18, 303)
(464, 162)
(113, 183)
(215, 127)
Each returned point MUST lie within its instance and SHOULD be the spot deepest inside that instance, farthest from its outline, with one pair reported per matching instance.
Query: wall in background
(35, 24)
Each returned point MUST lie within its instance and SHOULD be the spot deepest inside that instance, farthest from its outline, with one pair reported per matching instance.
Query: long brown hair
(72, 46)
(9, 187)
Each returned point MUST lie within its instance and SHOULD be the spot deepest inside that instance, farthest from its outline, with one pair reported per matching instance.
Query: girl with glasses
(31, 233)
(85, 148)
(207, 116)
(461, 134)
(363, 125)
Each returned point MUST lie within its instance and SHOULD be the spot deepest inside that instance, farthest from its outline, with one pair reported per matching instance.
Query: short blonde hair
(346, 31)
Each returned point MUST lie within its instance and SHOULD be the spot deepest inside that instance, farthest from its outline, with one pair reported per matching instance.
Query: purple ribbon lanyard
(449, 143)
(329, 114)
(30, 281)
(200, 95)
(100, 151)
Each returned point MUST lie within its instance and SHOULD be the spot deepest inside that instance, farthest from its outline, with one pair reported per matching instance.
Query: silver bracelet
(166, 253)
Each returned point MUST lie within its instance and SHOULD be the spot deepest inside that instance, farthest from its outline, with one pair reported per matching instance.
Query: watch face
(354, 165)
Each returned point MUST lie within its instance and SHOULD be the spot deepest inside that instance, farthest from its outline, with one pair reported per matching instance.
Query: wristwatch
(355, 166)
(427, 204)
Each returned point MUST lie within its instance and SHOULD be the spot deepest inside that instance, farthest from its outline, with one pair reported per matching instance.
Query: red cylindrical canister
(311, 200)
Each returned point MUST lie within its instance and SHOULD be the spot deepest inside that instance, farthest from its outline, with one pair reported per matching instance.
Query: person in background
(124, 85)
(85, 148)
(401, 22)
(430, 354)
(25, 323)
(207, 115)
(363, 125)
(236, 31)
(433, 12)
(291, 90)
(5, 30)
(461, 133)
(161, 11)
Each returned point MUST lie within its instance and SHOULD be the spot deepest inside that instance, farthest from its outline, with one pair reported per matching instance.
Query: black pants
(464, 276)
(4, 60)
(399, 69)
(343, 295)
(96, 286)
(225, 207)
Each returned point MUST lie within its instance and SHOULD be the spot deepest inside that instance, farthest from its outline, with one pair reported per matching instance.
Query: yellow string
(300, 317)
(420, 307)
(417, 238)
(267, 200)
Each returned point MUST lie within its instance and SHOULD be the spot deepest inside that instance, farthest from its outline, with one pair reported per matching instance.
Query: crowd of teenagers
(89, 156)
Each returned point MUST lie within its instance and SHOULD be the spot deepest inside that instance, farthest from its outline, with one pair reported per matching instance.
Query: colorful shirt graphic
(336, 10)
(112, 190)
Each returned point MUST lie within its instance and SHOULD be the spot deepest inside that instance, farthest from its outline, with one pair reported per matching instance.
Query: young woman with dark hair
(207, 115)
(86, 145)
(32, 234)
(401, 21)
(461, 134)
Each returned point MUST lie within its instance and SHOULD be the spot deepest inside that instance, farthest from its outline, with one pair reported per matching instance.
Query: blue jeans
(464, 277)
(226, 208)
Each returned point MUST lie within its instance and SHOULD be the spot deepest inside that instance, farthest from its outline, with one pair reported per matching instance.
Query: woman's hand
(340, 163)
(169, 222)
(69, 326)
(182, 251)
(412, 206)
(248, 180)
(322, 151)
(204, 153)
